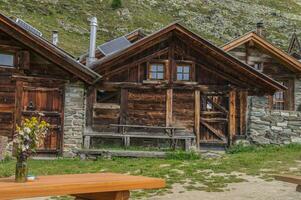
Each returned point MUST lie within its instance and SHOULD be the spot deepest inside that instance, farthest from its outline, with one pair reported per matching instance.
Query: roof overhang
(253, 75)
(47, 50)
(266, 46)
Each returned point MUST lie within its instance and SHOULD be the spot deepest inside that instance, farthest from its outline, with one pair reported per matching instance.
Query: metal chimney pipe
(259, 28)
(93, 24)
(55, 37)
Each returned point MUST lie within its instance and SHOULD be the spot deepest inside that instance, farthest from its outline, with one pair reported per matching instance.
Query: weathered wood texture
(146, 107)
(77, 184)
(183, 109)
(33, 85)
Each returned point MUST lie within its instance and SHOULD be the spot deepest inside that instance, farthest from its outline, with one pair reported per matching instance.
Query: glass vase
(21, 170)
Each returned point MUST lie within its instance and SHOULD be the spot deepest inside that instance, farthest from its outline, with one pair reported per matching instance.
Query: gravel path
(255, 188)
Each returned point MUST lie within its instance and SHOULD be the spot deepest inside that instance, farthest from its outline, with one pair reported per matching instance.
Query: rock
(296, 140)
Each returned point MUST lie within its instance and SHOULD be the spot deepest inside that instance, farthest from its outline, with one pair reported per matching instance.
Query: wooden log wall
(147, 107)
(183, 109)
(7, 106)
(105, 114)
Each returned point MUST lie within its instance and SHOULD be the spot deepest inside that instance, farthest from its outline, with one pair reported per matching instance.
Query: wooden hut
(172, 85)
(38, 77)
(264, 124)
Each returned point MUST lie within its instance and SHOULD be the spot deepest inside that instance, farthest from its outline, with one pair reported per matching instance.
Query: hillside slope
(216, 20)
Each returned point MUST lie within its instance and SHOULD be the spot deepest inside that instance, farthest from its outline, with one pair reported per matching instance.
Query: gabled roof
(252, 76)
(294, 42)
(285, 58)
(47, 50)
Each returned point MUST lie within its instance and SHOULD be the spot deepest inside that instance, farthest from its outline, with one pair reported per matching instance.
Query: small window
(183, 72)
(6, 60)
(279, 100)
(259, 67)
(156, 71)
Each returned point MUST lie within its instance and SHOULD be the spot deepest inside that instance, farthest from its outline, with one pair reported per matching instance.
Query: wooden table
(104, 186)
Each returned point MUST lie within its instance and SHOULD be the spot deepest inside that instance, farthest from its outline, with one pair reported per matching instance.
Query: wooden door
(214, 120)
(48, 100)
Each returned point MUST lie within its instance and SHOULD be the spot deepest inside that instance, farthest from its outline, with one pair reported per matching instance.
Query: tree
(116, 4)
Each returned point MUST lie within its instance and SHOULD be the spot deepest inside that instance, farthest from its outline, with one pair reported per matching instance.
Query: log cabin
(272, 119)
(171, 86)
(39, 77)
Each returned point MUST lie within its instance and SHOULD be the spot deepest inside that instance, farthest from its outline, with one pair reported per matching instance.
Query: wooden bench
(168, 133)
(104, 186)
(291, 179)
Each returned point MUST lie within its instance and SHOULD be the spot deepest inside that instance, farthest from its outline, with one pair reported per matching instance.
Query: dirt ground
(255, 188)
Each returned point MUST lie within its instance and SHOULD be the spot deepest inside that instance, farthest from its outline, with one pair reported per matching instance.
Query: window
(259, 67)
(183, 72)
(6, 59)
(278, 101)
(156, 71)
(283, 100)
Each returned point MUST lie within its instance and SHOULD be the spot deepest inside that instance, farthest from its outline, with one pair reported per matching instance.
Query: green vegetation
(201, 174)
(116, 4)
(217, 22)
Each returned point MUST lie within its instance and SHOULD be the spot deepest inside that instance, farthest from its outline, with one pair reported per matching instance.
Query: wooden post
(243, 99)
(91, 99)
(232, 115)
(123, 105)
(197, 116)
(169, 95)
(18, 107)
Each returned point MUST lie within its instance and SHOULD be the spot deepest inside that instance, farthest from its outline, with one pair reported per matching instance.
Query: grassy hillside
(216, 21)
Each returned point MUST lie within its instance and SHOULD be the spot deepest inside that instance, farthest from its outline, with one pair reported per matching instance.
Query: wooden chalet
(254, 50)
(174, 85)
(38, 77)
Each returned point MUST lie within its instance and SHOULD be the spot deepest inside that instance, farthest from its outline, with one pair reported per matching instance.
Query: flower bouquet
(29, 135)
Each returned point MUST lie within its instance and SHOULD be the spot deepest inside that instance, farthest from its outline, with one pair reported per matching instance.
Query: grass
(187, 169)
(69, 17)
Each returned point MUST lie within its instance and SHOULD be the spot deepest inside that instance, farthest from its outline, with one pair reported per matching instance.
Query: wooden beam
(243, 99)
(123, 106)
(232, 115)
(91, 100)
(171, 61)
(169, 95)
(197, 116)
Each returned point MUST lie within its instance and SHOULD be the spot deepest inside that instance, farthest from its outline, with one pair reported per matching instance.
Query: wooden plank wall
(183, 109)
(146, 107)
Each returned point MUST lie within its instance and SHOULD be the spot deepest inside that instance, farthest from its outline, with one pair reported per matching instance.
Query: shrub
(116, 4)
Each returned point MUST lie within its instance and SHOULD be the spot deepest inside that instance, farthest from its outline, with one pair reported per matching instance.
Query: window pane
(186, 77)
(153, 75)
(153, 67)
(160, 68)
(180, 69)
(159, 75)
(7, 59)
(179, 77)
(186, 69)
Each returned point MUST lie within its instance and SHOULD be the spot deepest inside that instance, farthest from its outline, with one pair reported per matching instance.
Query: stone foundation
(74, 118)
(3, 147)
(267, 126)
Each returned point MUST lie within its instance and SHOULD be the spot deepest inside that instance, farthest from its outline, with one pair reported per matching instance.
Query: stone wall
(74, 118)
(3, 147)
(267, 126)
